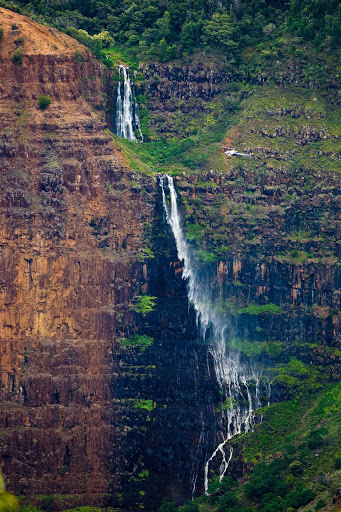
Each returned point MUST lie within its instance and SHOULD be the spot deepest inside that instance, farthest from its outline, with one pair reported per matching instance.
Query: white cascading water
(126, 119)
(238, 377)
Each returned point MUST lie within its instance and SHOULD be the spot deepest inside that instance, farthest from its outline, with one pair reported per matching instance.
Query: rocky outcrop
(275, 239)
(71, 229)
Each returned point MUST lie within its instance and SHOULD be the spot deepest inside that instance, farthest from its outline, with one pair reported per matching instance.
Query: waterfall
(127, 119)
(239, 378)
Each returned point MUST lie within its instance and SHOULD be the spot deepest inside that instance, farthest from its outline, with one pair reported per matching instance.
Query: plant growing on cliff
(1, 33)
(206, 257)
(142, 341)
(143, 304)
(17, 56)
(44, 101)
(142, 404)
(78, 57)
(261, 309)
(8, 502)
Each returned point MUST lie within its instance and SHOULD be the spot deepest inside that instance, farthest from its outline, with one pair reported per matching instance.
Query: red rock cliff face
(69, 231)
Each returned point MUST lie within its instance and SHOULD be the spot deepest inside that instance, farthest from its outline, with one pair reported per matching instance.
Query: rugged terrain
(68, 233)
(103, 402)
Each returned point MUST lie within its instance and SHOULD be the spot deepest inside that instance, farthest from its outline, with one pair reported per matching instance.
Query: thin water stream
(239, 378)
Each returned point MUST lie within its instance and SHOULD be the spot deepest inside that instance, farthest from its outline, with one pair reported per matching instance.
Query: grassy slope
(306, 430)
(250, 125)
(264, 112)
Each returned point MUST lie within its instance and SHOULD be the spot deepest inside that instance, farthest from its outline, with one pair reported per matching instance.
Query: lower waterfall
(239, 377)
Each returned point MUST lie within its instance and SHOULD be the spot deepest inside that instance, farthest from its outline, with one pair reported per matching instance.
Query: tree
(164, 27)
(190, 34)
(105, 39)
(218, 32)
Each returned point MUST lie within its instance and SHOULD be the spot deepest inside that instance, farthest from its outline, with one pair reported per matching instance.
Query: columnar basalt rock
(71, 229)
(276, 248)
(83, 415)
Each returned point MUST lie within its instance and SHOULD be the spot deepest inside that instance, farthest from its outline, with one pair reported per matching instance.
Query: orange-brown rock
(70, 229)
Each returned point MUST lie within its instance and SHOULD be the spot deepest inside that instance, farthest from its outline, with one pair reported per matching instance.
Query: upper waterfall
(239, 377)
(127, 119)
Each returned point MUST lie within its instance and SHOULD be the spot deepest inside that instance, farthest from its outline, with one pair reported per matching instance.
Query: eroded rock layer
(70, 224)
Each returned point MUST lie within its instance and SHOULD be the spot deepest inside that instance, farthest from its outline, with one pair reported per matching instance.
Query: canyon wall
(87, 415)
(76, 222)
(71, 227)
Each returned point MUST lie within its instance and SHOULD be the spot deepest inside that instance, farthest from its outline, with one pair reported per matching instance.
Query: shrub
(8, 502)
(315, 439)
(19, 41)
(272, 503)
(190, 506)
(17, 56)
(194, 232)
(228, 500)
(167, 506)
(299, 497)
(14, 26)
(44, 101)
(262, 480)
(206, 257)
(296, 468)
(320, 504)
(1, 33)
(142, 341)
(143, 304)
(337, 463)
(78, 56)
(261, 309)
(48, 503)
(147, 405)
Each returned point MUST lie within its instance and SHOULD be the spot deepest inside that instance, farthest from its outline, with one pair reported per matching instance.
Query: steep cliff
(71, 229)
(103, 402)
(87, 416)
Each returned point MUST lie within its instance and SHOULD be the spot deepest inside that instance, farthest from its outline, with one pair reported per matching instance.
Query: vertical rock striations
(71, 227)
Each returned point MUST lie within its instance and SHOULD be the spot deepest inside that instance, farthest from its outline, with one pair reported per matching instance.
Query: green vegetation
(188, 143)
(78, 56)
(44, 101)
(205, 257)
(141, 341)
(278, 118)
(291, 458)
(194, 232)
(143, 304)
(272, 349)
(17, 56)
(1, 33)
(260, 309)
(295, 256)
(232, 307)
(166, 31)
(298, 379)
(8, 502)
(142, 404)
